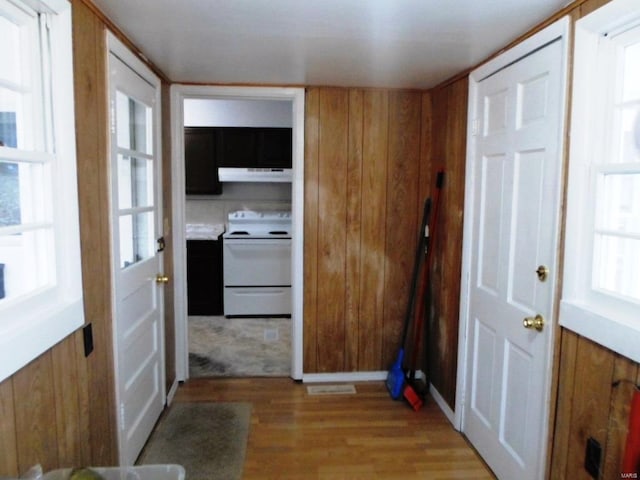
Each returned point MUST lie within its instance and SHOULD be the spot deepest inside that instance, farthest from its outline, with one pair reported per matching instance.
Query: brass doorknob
(160, 278)
(542, 272)
(536, 322)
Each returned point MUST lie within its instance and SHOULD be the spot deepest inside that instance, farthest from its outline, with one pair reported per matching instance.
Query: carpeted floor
(208, 439)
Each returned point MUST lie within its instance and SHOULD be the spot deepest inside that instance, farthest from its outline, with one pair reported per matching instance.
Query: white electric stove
(257, 263)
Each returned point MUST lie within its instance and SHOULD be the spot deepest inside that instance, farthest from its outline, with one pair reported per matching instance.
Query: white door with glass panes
(515, 169)
(137, 258)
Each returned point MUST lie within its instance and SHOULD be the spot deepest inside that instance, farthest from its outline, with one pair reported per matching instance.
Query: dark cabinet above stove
(209, 148)
(244, 147)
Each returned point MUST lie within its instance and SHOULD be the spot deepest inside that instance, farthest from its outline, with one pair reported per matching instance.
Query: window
(40, 279)
(135, 179)
(601, 295)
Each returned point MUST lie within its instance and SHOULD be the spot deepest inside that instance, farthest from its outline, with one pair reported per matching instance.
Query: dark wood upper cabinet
(207, 148)
(237, 147)
(201, 169)
(246, 147)
(275, 147)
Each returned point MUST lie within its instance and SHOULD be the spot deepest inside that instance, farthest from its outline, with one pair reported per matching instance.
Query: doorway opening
(220, 342)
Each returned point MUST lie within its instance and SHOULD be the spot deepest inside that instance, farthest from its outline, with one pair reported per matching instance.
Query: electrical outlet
(593, 457)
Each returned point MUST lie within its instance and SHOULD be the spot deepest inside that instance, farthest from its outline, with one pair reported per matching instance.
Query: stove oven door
(257, 276)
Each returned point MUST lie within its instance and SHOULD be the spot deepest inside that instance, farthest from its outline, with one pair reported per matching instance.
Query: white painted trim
(297, 246)
(467, 243)
(444, 406)
(344, 377)
(558, 30)
(121, 51)
(297, 96)
(178, 235)
(172, 392)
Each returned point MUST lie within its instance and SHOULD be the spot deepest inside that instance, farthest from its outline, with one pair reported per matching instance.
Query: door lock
(162, 279)
(536, 322)
(161, 244)
(542, 272)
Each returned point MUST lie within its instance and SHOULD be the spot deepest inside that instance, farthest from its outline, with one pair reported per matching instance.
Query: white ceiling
(368, 43)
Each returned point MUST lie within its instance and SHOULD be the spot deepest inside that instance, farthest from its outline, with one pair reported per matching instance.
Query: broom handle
(426, 273)
(416, 270)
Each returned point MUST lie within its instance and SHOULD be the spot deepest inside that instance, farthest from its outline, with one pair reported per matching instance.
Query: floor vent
(331, 389)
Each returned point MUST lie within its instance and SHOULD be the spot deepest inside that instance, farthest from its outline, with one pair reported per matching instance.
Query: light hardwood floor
(363, 436)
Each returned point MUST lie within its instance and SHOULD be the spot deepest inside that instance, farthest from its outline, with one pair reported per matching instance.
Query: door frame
(560, 30)
(116, 47)
(179, 93)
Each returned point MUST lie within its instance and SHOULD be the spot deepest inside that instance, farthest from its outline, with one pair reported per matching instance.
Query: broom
(409, 392)
(396, 375)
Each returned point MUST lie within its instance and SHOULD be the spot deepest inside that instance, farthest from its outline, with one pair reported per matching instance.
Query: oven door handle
(258, 242)
(256, 291)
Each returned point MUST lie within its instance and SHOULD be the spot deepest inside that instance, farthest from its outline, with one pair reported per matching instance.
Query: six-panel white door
(516, 190)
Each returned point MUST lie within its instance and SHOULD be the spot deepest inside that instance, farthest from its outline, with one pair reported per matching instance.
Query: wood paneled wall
(91, 111)
(370, 161)
(169, 318)
(591, 403)
(363, 185)
(448, 151)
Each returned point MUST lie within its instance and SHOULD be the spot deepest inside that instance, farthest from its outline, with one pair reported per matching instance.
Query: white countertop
(204, 231)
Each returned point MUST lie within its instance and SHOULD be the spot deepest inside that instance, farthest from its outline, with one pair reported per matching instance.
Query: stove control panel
(251, 215)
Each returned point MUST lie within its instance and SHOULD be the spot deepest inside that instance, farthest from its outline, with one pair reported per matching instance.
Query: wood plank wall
(448, 151)
(363, 183)
(589, 405)
(169, 318)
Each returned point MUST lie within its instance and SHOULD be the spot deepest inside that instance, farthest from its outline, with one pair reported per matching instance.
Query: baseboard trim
(444, 406)
(172, 392)
(350, 376)
(344, 377)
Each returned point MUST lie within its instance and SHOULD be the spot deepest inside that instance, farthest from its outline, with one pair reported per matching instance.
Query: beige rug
(208, 439)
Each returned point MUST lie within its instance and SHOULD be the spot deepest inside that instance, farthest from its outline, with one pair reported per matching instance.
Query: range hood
(251, 174)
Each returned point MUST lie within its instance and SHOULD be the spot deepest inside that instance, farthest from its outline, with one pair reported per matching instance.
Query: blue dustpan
(395, 377)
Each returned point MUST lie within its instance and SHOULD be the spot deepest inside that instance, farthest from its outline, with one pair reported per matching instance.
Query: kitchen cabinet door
(204, 277)
(237, 147)
(249, 147)
(201, 169)
(275, 148)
